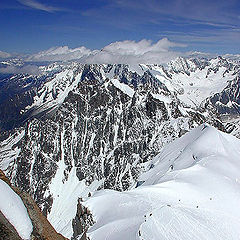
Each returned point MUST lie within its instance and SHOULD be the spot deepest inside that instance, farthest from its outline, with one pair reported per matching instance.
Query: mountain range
(70, 129)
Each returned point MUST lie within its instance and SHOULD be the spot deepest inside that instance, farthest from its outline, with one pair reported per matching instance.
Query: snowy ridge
(55, 91)
(192, 192)
(14, 210)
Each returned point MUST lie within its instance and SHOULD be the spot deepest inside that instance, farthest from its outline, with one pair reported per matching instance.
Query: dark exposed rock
(82, 221)
(7, 231)
(228, 100)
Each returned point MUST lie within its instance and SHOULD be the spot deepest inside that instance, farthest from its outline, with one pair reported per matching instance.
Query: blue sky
(28, 26)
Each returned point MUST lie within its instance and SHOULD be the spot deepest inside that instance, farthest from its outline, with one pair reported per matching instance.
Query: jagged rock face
(228, 100)
(23, 96)
(232, 125)
(37, 161)
(82, 221)
(105, 133)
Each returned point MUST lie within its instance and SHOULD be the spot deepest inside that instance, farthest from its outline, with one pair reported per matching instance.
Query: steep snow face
(54, 92)
(9, 150)
(65, 194)
(14, 210)
(191, 192)
(123, 87)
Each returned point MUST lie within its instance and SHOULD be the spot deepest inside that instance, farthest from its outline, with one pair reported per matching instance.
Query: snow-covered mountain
(192, 192)
(85, 127)
(194, 81)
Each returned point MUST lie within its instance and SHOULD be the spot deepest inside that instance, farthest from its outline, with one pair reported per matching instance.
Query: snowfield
(191, 192)
(198, 84)
(14, 210)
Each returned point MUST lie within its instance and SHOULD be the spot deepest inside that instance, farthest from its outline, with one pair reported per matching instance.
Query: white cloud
(197, 54)
(60, 54)
(4, 55)
(129, 52)
(132, 52)
(37, 5)
(144, 46)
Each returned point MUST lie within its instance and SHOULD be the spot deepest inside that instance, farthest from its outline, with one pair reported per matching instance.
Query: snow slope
(9, 150)
(191, 192)
(123, 87)
(55, 90)
(14, 210)
(65, 194)
(194, 83)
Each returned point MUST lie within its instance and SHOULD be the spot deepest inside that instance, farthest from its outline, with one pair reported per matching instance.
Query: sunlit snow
(14, 210)
(192, 192)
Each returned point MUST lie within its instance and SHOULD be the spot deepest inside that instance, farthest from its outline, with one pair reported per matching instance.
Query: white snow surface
(65, 194)
(8, 153)
(14, 210)
(55, 91)
(200, 84)
(123, 87)
(192, 192)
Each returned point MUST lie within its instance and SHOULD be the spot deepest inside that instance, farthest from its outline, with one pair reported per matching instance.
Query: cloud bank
(128, 52)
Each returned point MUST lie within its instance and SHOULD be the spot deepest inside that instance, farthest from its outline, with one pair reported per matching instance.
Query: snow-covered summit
(191, 192)
(194, 150)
